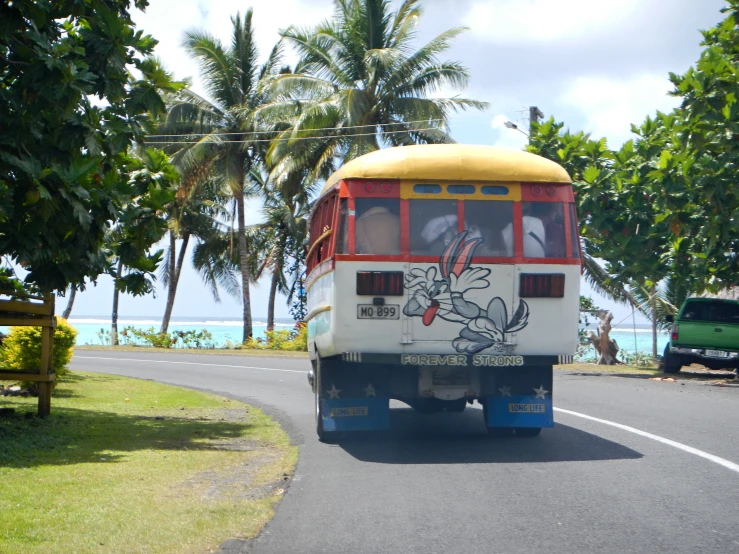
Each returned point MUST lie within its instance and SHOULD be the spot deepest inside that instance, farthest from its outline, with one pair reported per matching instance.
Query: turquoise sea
(94, 330)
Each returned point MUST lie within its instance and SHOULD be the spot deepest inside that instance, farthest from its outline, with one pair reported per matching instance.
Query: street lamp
(511, 125)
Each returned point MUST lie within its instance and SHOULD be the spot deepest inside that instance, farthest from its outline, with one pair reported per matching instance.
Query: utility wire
(427, 121)
(291, 138)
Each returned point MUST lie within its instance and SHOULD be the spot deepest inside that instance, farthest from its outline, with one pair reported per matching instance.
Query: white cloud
(609, 106)
(167, 20)
(517, 21)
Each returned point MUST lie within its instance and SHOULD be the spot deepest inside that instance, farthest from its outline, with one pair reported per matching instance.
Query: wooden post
(47, 347)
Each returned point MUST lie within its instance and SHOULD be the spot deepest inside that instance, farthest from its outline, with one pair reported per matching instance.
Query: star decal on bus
(444, 298)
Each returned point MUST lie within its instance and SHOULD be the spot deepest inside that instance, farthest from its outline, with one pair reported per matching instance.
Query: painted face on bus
(439, 293)
(431, 297)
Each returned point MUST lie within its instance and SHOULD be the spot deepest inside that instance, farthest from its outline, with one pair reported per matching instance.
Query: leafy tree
(360, 85)
(77, 89)
(225, 125)
(695, 179)
(141, 224)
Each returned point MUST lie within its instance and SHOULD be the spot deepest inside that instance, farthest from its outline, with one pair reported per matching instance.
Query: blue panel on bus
(356, 414)
(519, 411)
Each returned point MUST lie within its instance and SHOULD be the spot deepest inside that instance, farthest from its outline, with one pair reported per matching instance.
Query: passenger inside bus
(433, 225)
(377, 227)
(486, 219)
(543, 232)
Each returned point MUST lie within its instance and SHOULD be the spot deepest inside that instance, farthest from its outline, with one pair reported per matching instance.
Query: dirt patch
(235, 482)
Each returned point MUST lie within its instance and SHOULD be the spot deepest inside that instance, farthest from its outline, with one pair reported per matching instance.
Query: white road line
(684, 447)
(715, 459)
(186, 363)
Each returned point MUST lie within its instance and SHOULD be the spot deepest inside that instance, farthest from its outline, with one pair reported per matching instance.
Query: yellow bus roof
(452, 162)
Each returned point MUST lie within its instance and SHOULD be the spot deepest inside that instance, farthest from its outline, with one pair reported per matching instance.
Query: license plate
(350, 412)
(716, 354)
(452, 378)
(527, 408)
(370, 311)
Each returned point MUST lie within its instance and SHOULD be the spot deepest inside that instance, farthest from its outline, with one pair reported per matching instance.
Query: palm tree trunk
(68, 310)
(114, 316)
(244, 265)
(272, 296)
(175, 268)
(653, 308)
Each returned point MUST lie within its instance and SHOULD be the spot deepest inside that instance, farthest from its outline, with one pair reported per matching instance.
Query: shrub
(21, 349)
(295, 340)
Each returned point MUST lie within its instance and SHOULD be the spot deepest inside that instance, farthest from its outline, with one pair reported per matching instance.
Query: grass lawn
(124, 465)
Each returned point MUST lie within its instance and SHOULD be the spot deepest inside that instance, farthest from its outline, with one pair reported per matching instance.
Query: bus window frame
(527, 192)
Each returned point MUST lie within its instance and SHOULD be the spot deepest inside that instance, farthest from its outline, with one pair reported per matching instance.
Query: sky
(598, 66)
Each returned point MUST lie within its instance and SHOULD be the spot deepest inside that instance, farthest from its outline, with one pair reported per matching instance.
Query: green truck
(706, 332)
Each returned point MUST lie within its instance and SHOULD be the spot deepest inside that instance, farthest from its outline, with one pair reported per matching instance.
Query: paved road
(440, 484)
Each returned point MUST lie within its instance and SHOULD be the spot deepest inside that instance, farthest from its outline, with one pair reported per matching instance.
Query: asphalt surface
(439, 484)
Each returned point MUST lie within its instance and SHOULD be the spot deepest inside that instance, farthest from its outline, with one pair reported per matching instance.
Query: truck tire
(323, 435)
(317, 388)
(495, 431)
(455, 405)
(670, 362)
(527, 432)
(426, 405)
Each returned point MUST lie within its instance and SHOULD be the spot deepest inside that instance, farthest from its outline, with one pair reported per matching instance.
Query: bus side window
(342, 233)
(487, 219)
(574, 232)
(543, 230)
(433, 226)
(377, 226)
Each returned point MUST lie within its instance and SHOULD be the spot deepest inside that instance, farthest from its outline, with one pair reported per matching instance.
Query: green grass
(583, 367)
(123, 465)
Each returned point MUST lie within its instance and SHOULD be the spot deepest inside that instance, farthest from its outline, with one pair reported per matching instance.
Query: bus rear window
(543, 230)
(433, 225)
(487, 220)
(377, 226)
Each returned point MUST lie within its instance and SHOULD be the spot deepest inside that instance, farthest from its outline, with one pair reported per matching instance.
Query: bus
(441, 276)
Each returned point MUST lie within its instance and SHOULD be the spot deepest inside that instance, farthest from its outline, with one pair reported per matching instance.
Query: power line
(427, 121)
(296, 138)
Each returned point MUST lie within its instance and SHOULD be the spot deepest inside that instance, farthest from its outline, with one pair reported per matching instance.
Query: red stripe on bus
(517, 224)
(405, 218)
(351, 218)
(475, 260)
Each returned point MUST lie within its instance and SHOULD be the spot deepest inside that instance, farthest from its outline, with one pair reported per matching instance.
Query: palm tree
(197, 214)
(225, 124)
(284, 233)
(70, 303)
(360, 85)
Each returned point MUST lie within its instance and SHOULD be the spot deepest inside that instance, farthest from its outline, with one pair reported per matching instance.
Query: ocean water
(92, 331)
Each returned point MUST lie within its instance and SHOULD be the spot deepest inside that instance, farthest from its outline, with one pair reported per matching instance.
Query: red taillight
(542, 285)
(675, 332)
(380, 283)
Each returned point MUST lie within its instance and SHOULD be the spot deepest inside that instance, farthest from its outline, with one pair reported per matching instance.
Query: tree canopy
(77, 89)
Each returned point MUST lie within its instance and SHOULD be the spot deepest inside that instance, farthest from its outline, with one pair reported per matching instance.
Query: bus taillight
(380, 283)
(542, 285)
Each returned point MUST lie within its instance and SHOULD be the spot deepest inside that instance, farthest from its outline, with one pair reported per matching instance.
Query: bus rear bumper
(519, 411)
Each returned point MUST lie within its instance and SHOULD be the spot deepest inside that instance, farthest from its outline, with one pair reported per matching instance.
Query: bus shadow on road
(462, 439)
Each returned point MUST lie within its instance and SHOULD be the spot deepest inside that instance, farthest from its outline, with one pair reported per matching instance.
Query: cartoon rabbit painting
(444, 297)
